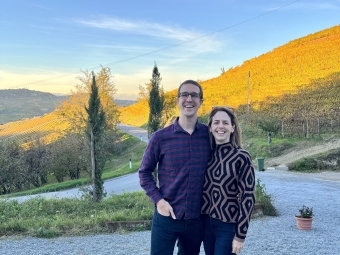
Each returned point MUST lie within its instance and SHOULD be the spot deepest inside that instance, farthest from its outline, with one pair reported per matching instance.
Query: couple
(206, 181)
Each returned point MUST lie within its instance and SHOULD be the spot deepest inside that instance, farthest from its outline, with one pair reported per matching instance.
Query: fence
(302, 128)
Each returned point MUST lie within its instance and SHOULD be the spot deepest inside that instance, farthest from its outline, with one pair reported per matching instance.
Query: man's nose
(189, 96)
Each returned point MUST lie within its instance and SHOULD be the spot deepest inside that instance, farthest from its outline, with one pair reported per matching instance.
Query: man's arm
(147, 167)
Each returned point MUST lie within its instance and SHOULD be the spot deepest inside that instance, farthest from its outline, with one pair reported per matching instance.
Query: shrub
(304, 165)
(261, 196)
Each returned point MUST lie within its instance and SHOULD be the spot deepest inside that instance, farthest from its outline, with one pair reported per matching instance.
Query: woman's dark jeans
(218, 236)
(165, 231)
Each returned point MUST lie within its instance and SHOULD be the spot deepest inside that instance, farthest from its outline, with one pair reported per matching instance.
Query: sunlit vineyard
(282, 71)
(47, 128)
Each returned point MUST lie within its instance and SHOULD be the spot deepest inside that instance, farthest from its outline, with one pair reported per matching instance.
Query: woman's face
(221, 127)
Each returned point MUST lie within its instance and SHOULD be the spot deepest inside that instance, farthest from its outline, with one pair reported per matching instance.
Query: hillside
(49, 127)
(303, 150)
(284, 70)
(17, 104)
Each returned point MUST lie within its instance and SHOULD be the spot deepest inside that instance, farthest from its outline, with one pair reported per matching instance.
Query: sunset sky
(45, 44)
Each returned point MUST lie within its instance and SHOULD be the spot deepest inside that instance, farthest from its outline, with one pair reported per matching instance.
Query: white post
(130, 164)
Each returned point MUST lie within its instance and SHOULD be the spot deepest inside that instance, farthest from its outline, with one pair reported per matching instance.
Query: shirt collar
(178, 128)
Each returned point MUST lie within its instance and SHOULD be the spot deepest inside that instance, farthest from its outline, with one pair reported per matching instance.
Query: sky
(45, 44)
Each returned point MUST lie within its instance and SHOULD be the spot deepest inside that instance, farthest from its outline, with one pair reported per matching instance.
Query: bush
(304, 165)
(329, 160)
(261, 196)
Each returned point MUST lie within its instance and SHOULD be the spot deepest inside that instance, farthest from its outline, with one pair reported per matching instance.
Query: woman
(228, 192)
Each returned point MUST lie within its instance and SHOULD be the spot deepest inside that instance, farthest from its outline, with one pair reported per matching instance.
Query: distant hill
(18, 104)
(286, 69)
(124, 102)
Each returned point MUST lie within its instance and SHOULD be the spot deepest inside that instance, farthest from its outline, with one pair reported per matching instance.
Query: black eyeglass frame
(185, 95)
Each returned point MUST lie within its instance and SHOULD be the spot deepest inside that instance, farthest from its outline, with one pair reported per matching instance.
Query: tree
(73, 107)
(96, 124)
(10, 166)
(169, 109)
(156, 102)
(144, 92)
(68, 156)
(36, 163)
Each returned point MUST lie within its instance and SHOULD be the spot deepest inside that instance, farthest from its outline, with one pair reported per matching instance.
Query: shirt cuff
(156, 197)
(239, 239)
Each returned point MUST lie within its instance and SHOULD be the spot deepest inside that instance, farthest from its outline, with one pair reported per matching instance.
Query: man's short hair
(191, 82)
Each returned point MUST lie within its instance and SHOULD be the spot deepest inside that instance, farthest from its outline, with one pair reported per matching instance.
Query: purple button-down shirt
(182, 161)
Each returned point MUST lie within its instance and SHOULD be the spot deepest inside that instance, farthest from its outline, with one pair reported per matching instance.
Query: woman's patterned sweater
(228, 192)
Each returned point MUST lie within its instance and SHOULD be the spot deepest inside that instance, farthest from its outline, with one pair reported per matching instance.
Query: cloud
(196, 41)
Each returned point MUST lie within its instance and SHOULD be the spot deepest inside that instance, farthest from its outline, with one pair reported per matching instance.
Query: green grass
(42, 217)
(258, 146)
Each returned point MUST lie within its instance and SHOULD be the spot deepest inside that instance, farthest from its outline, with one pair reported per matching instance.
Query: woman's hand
(237, 246)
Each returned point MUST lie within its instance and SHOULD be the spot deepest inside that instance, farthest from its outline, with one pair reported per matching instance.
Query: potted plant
(305, 218)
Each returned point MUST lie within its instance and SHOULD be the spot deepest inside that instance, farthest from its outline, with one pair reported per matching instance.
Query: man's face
(189, 100)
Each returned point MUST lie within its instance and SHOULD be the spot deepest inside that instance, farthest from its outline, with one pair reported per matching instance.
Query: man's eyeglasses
(193, 95)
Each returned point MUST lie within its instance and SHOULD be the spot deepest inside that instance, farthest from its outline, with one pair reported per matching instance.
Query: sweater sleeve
(246, 186)
(147, 167)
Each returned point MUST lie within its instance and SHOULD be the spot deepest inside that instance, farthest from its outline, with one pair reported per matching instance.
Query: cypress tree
(96, 124)
(156, 102)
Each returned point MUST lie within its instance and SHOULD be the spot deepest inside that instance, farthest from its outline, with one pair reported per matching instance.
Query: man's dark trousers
(165, 231)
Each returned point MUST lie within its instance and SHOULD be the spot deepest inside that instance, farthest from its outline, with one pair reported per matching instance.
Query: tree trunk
(94, 190)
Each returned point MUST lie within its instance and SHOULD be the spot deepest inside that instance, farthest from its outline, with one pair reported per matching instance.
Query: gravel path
(267, 235)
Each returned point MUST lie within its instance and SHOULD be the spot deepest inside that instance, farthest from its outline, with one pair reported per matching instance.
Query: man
(181, 151)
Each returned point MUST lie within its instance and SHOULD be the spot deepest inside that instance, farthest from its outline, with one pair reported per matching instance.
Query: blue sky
(44, 44)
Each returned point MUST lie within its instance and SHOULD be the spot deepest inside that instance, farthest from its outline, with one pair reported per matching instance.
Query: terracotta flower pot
(304, 223)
